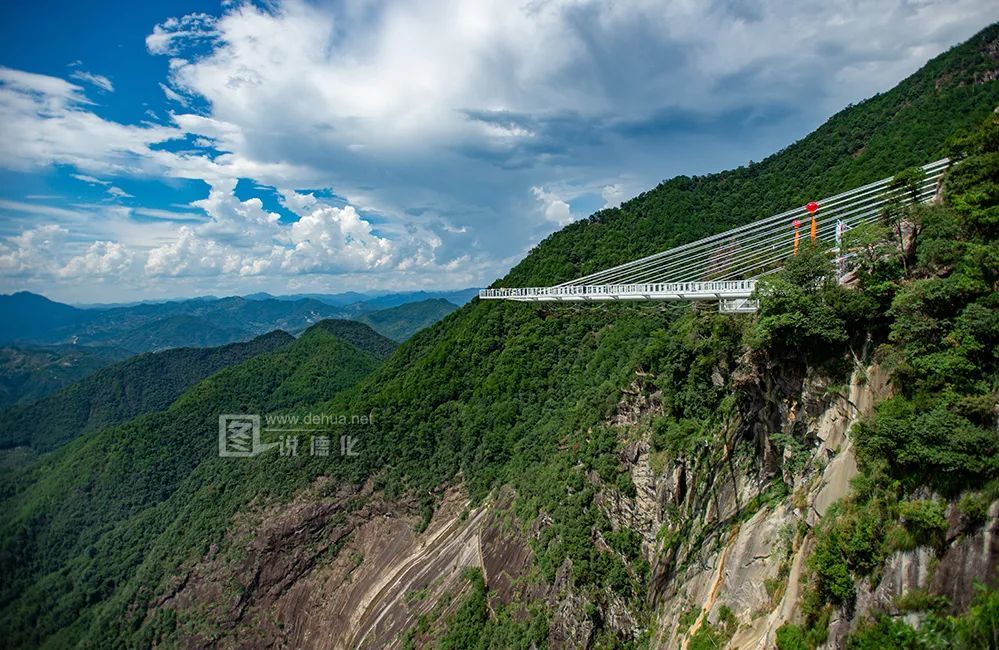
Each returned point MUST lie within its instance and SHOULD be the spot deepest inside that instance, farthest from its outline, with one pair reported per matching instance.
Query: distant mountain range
(368, 301)
(117, 393)
(399, 323)
(48, 345)
(30, 372)
(28, 319)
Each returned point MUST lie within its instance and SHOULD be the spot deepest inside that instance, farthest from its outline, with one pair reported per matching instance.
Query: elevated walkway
(724, 267)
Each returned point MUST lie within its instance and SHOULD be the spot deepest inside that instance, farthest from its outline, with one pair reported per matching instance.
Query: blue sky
(187, 148)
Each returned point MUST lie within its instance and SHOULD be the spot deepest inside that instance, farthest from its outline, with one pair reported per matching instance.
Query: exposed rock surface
(350, 570)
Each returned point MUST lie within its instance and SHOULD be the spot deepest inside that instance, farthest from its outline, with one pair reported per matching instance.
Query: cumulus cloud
(102, 259)
(555, 209)
(187, 255)
(243, 238)
(445, 139)
(334, 240)
(33, 251)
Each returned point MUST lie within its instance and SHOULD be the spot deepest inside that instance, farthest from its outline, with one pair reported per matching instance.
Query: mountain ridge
(122, 391)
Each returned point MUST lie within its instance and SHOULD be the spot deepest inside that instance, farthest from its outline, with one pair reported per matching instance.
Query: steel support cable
(871, 218)
(824, 232)
(873, 192)
(934, 170)
(845, 213)
(735, 267)
(763, 238)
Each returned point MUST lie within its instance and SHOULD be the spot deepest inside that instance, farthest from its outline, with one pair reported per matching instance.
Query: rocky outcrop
(348, 571)
(351, 570)
(968, 558)
(752, 564)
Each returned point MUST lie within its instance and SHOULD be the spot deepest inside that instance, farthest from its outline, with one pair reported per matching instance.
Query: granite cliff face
(349, 569)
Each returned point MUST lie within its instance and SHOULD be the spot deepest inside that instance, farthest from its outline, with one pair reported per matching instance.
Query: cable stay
(724, 267)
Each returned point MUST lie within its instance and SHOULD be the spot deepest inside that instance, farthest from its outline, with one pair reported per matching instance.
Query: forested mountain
(145, 383)
(142, 473)
(30, 372)
(359, 335)
(399, 323)
(459, 297)
(26, 315)
(201, 322)
(362, 302)
(591, 475)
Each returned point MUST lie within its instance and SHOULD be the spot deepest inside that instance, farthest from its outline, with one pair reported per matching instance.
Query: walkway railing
(724, 266)
(717, 290)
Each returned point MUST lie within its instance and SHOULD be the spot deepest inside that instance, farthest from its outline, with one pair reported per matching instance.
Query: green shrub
(711, 637)
(926, 520)
(974, 509)
(791, 637)
(883, 632)
(933, 446)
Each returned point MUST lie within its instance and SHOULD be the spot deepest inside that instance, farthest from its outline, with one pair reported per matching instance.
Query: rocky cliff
(726, 539)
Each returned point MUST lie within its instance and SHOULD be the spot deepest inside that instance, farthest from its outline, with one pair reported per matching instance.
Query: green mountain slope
(110, 497)
(98, 533)
(148, 382)
(400, 323)
(28, 373)
(358, 335)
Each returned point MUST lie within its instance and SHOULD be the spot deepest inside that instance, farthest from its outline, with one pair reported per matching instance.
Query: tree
(903, 190)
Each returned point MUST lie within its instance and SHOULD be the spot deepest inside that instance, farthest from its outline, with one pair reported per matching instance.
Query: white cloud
(33, 252)
(612, 195)
(173, 95)
(453, 135)
(46, 252)
(90, 179)
(48, 121)
(187, 255)
(113, 191)
(334, 240)
(100, 81)
(102, 259)
(176, 33)
(556, 210)
(169, 215)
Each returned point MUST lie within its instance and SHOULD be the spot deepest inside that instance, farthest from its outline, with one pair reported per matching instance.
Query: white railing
(724, 266)
(716, 290)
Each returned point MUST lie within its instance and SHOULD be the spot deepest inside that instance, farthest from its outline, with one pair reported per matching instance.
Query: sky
(172, 149)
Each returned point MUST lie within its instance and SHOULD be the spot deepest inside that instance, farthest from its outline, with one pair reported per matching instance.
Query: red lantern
(812, 207)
